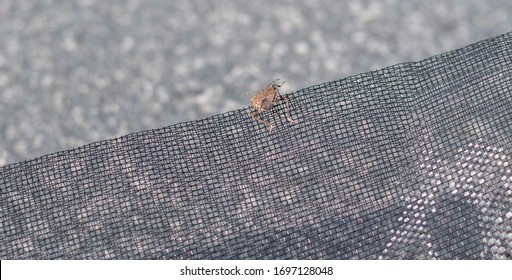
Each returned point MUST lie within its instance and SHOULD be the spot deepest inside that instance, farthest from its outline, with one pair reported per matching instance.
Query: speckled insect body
(265, 100)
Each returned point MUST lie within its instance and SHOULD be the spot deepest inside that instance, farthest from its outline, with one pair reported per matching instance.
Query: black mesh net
(413, 161)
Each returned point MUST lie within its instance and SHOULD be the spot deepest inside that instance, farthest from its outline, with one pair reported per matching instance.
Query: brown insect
(265, 99)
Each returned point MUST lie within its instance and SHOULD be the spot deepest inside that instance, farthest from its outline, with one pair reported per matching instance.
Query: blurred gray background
(75, 72)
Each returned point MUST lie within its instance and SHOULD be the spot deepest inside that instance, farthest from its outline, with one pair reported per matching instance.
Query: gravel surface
(81, 71)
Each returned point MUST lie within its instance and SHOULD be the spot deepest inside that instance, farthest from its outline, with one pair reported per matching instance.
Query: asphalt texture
(76, 72)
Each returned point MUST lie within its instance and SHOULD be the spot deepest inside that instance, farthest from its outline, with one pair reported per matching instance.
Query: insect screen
(413, 161)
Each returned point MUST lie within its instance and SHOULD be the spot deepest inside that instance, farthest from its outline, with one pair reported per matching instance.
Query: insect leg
(289, 117)
(254, 116)
(289, 114)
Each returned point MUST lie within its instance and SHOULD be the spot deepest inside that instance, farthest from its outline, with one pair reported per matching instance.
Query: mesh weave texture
(413, 161)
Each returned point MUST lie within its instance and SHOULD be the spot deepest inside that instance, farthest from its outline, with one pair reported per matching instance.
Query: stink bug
(265, 99)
